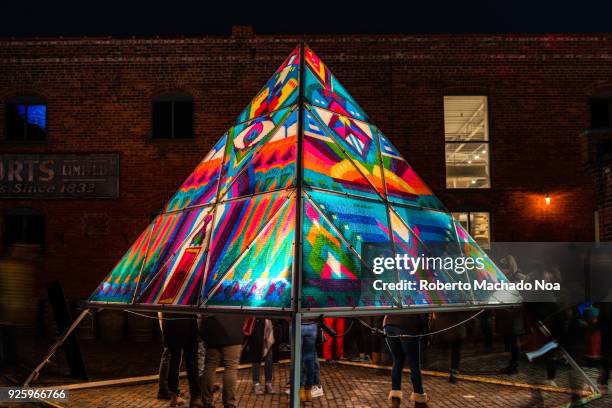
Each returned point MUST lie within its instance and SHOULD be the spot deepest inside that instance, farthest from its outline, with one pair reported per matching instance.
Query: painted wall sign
(59, 175)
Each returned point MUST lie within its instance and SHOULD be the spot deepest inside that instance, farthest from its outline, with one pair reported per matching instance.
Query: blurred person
(18, 267)
(163, 392)
(403, 348)
(450, 338)
(223, 338)
(180, 337)
(259, 346)
(310, 329)
(333, 346)
(510, 323)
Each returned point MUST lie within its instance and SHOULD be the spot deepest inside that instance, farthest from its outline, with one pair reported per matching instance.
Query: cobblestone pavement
(344, 386)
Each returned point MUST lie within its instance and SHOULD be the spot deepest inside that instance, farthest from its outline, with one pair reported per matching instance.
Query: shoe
(257, 389)
(176, 400)
(305, 394)
(269, 389)
(420, 400)
(395, 396)
(509, 370)
(164, 395)
(316, 391)
(552, 383)
(452, 378)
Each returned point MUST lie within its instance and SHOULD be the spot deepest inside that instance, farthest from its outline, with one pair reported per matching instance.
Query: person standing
(222, 337)
(259, 346)
(453, 333)
(402, 348)
(180, 337)
(333, 347)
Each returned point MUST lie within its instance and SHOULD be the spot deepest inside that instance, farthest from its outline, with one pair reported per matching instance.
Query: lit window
(478, 225)
(26, 119)
(466, 132)
(172, 117)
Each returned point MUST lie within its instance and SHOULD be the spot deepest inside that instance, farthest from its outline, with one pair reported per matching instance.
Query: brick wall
(98, 92)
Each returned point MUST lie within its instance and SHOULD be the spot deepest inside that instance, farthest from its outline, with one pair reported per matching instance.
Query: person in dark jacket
(222, 337)
(396, 325)
(452, 337)
(180, 336)
(260, 345)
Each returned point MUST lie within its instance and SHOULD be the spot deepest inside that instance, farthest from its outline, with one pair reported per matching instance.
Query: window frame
(24, 212)
(25, 100)
(172, 98)
(486, 141)
(469, 212)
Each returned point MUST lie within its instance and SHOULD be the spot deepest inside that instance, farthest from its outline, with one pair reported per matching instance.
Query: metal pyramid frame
(284, 213)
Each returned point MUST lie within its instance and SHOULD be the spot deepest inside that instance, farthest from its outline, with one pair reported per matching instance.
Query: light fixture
(473, 181)
(469, 162)
(477, 157)
(484, 152)
(547, 199)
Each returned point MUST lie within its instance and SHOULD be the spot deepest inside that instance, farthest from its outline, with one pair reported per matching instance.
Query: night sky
(21, 18)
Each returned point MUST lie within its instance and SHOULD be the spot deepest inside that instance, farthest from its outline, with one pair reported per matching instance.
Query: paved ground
(344, 386)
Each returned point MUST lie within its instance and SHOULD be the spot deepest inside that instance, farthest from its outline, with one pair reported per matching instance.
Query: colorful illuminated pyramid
(302, 165)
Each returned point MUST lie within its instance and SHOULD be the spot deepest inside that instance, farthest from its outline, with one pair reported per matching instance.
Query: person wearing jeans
(260, 342)
(403, 348)
(309, 357)
(223, 339)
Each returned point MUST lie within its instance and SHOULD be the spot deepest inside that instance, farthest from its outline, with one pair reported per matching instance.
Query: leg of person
(201, 358)
(213, 356)
(309, 355)
(230, 359)
(329, 340)
(173, 376)
(255, 369)
(190, 353)
(455, 360)
(339, 340)
(269, 371)
(398, 357)
(412, 349)
(164, 362)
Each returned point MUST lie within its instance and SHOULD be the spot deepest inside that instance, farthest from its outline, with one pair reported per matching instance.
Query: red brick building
(537, 91)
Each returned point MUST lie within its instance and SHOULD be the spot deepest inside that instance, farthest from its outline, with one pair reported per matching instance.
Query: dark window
(26, 119)
(172, 117)
(24, 226)
(601, 113)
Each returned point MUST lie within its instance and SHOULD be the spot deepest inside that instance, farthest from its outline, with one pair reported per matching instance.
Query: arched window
(172, 116)
(601, 110)
(26, 119)
(24, 226)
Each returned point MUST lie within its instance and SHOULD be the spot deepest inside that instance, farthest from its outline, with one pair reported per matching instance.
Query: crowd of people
(206, 343)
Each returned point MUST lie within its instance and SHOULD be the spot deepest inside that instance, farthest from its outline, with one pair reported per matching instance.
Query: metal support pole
(35, 373)
(570, 359)
(296, 359)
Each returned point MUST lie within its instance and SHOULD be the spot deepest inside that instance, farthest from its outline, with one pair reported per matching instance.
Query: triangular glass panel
(326, 166)
(179, 279)
(246, 138)
(280, 91)
(272, 166)
(321, 88)
(237, 223)
(200, 188)
(120, 284)
(402, 183)
(262, 276)
(358, 140)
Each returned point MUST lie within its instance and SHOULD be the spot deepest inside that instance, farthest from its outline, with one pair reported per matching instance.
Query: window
(24, 226)
(478, 225)
(601, 113)
(466, 133)
(172, 117)
(26, 119)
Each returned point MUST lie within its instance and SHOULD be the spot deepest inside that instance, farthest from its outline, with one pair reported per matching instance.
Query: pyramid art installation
(286, 210)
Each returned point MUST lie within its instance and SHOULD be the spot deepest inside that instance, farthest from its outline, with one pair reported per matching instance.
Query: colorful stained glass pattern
(406, 242)
(321, 88)
(403, 185)
(357, 220)
(273, 166)
(201, 186)
(237, 223)
(178, 280)
(358, 140)
(246, 139)
(120, 285)
(169, 233)
(326, 166)
(262, 275)
(280, 91)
